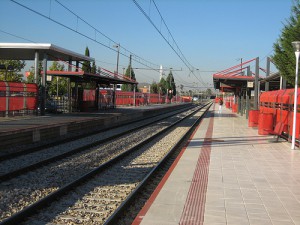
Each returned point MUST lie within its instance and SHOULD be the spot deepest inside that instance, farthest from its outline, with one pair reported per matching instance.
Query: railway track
(94, 192)
(31, 159)
(24, 150)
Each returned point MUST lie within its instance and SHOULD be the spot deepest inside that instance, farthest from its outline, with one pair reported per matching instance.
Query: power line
(14, 35)
(169, 31)
(179, 54)
(149, 19)
(136, 58)
(25, 39)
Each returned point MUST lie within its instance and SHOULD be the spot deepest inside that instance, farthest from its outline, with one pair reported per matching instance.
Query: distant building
(144, 87)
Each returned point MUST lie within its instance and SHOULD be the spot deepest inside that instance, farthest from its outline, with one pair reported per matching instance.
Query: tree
(58, 85)
(11, 70)
(208, 92)
(162, 86)
(129, 73)
(284, 56)
(154, 88)
(86, 66)
(171, 86)
(30, 78)
(94, 68)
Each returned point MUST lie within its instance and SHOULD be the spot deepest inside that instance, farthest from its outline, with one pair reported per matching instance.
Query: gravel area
(94, 201)
(24, 190)
(10, 165)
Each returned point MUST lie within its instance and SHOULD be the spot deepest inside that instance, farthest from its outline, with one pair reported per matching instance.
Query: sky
(208, 35)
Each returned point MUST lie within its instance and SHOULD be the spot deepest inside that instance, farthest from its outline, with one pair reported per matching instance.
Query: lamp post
(241, 66)
(118, 47)
(114, 96)
(296, 45)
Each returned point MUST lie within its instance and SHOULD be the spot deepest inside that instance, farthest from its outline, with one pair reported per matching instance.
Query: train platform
(25, 130)
(228, 174)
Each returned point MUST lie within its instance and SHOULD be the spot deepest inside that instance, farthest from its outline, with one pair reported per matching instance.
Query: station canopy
(234, 78)
(27, 51)
(105, 77)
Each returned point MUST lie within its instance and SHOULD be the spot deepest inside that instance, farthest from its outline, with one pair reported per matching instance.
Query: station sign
(250, 84)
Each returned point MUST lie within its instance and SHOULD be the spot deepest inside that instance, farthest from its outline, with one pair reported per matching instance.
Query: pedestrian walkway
(228, 174)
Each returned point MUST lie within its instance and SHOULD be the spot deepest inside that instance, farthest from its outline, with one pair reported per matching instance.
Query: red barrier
(3, 104)
(290, 124)
(17, 96)
(253, 118)
(227, 104)
(234, 107)
(31, 98)
(265, 123)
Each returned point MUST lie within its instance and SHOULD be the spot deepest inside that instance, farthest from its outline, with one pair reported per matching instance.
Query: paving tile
(231, 185)
(279, 216)
(246, 185)
(214, 223)
(251, 181)
(232, 193)
(267, 193)
(212, 217)
(260, 222)
(244, 177)
(163, 212)
(260, 216)
(271, 202)
(232, 220)
(215, 202)
(236, 212)
(234, 200)
(280, 222)
(214, 208)
(296, 220)
(250, 194)
(255, 208)
(214, 198)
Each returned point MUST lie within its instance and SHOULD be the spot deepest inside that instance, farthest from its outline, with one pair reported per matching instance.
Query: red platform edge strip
(193, 211)
(153, 196)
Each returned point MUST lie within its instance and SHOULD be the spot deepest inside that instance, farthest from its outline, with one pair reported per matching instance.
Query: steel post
(256, 84)
(267, 74)
(297, 53)
(43, 86)
(36, 67)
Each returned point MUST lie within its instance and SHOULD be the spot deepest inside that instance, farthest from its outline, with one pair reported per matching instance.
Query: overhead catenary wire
(135, 57)
(25, 39)
(179, 54)
(169, 31)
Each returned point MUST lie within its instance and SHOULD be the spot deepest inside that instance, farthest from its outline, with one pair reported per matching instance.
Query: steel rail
(124, 206)
(17, 172)
(77, 136)
(33, 208)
